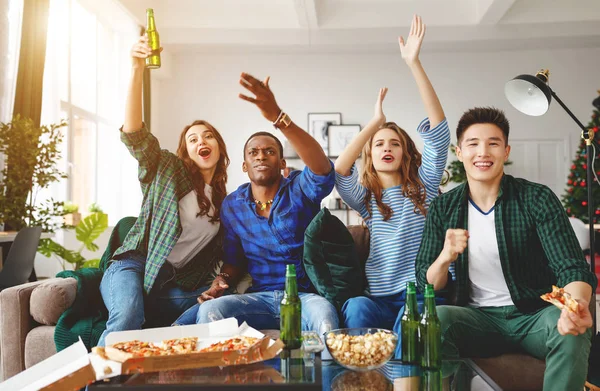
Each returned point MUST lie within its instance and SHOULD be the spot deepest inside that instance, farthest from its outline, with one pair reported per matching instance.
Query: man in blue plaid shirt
(519, 243)
(264, 223)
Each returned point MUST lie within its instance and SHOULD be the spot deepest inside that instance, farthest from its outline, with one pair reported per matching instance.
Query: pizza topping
(562, 299)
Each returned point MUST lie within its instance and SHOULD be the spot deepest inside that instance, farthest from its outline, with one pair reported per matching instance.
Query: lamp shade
(529, 94)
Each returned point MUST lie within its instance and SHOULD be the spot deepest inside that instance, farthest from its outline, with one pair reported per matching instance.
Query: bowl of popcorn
(361, 349)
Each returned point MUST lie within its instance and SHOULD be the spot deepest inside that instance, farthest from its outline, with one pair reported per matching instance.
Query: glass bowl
(361, 349)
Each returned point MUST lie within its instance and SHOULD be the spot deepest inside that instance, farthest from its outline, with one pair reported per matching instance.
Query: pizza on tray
(126, 350)
(561, 299)
(235, 343)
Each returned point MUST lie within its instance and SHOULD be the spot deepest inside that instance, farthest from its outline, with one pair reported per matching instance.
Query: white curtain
(10, 33)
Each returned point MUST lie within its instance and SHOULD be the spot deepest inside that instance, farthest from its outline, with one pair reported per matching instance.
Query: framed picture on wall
(318, 124)
(339, 137)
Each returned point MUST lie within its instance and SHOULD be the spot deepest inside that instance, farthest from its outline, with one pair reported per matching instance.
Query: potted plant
(87, 230)
(30, 154)
(71, 217)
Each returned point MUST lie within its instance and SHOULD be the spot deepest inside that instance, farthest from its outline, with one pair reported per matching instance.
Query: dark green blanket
(86, 318)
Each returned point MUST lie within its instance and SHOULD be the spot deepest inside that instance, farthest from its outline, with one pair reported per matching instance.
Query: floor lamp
(532, 95)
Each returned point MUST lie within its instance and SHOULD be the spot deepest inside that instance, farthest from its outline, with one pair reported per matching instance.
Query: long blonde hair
(412, 186)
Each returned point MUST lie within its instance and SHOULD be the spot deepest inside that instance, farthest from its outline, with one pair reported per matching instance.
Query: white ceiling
(370, 25)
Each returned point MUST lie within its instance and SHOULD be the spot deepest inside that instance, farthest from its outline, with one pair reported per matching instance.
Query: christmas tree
(575, 199)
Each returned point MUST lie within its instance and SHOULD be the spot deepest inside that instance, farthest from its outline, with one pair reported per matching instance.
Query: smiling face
(263, 161)
(202, 147)
(386, 150)
(483, 151)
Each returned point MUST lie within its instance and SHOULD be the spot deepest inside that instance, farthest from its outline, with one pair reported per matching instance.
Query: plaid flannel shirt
(536, 242)
(164, 181)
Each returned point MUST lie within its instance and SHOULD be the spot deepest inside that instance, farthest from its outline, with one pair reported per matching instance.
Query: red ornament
(582, 183)
(570, 189)
(569, 182)
(584, 166)
(573, 167)
(584, 203)
(569, 210)
(598, 212)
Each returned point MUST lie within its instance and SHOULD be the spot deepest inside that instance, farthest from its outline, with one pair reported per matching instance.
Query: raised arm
(133, 104)
(410, 53)
(344, 162)
(307, 148)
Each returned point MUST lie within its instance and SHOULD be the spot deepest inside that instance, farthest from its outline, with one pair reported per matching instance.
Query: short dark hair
(482, 115)
(268, 135)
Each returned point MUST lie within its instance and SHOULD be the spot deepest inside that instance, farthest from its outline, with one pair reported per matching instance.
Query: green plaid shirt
(164, 181)
(536, 242)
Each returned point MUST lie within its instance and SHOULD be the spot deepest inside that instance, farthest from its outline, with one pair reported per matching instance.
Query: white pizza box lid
(68, 369)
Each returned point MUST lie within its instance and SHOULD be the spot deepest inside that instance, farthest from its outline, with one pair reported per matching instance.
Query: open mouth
(204, 152)
(483, 165)
(388, 158)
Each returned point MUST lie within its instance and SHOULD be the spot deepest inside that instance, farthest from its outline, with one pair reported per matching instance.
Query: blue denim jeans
(129, 308)
(381, 312)
(261, 311)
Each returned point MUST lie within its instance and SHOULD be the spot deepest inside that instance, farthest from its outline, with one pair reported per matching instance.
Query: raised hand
(139, 51)
(455, 243)
(379, 104)
(216, 290)
(265, 100)
(410, 50)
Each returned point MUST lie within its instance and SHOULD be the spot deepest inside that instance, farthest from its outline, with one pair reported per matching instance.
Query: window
(85, 82)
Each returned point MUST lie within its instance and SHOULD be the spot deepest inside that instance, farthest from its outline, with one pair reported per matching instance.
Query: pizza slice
(561, 299)
(180, 345)
(123, 351)
(235, 343)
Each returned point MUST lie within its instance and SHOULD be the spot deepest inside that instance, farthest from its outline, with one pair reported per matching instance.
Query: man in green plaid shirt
(509, 240)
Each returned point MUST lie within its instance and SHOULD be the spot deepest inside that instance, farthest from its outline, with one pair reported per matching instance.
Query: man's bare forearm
(437, 274)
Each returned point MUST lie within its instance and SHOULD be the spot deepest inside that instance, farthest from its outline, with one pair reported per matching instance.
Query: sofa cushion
(39, 345)
(360, 235)
(49, 300)
(331, 260)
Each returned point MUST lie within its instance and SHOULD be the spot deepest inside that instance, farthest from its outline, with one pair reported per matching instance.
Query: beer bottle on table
(430, 333)
(153, 60)
(409, 327)
(290, 311)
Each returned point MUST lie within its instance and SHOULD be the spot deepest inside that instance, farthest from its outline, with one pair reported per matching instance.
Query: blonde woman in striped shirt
(395, 187)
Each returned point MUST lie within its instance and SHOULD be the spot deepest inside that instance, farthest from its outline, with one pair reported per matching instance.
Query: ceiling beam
(492, 11)
(306, 10)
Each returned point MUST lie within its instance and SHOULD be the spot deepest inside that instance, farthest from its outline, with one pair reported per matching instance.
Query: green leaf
(90, 228)
(91, 263)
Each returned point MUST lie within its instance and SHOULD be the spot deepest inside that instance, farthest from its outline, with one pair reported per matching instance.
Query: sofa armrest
(15, 324)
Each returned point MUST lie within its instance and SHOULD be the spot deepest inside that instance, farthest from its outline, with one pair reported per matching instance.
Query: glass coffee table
(307, 373)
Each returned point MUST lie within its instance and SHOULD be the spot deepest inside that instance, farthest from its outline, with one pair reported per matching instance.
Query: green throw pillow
(331, 260)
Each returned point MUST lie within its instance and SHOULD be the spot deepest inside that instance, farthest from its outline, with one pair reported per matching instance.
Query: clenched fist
(455, 243)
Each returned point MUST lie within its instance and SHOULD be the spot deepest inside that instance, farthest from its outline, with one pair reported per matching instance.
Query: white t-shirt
(197, 231)
(487, 284)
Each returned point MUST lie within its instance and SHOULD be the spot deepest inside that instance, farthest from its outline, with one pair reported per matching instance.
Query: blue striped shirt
(394, 243)
(264, 246)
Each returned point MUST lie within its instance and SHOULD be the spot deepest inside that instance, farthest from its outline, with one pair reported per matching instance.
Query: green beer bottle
(153, 60)
(290, 311)
(409, 325)
(430, 333)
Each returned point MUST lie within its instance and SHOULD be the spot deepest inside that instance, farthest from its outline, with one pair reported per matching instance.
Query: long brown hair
(412, 187)
(219, 180)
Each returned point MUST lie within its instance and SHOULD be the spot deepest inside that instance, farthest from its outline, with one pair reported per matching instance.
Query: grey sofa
(29, 312)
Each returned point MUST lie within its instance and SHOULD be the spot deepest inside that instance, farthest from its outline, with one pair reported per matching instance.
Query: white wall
(205, 86)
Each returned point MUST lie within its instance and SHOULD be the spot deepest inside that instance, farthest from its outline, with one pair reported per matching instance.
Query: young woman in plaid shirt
(171, 252)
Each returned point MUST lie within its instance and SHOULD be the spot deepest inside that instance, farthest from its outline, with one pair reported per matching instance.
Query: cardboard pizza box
(207, 334)
(69, 369)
